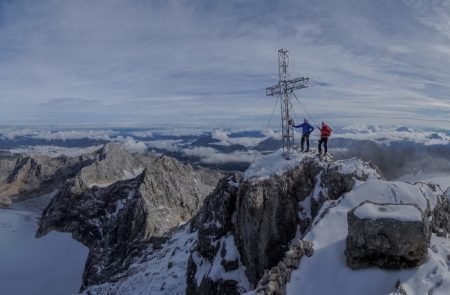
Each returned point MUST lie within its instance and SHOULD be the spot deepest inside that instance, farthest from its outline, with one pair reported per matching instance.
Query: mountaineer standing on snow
(325, 132)
(306, 131)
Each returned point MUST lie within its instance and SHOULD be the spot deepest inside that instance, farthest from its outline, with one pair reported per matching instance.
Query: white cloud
(75, 134)
(168, 144)
(132, 145)
(110, 62)
(389, 134)
(142, 133)
(55, 151)
(211, 156)
(219, 134)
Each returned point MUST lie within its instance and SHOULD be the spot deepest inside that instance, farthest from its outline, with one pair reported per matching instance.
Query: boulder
(390, 236)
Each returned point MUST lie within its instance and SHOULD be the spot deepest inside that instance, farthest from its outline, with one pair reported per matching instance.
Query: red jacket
(325, 131)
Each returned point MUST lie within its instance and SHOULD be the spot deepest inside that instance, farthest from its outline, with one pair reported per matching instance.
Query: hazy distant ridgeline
(396, 151)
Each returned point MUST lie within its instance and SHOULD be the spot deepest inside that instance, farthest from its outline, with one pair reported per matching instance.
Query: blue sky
(203, 62)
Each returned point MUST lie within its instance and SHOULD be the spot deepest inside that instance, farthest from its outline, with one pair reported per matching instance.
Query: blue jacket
(306, 128)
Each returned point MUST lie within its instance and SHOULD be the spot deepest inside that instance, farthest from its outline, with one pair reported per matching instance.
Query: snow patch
(273, 164)
(329, 234)
(441, 179)
(163, 271)
(398, 212)
(355, 166)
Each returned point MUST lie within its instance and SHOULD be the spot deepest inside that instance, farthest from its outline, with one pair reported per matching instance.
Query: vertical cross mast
(283, 89)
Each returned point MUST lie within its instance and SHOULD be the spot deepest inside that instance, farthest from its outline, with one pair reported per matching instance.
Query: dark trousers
(305, 137)
(323, 140)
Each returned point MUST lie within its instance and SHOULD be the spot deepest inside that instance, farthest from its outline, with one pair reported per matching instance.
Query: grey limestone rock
(389, 236)
(116, 221)
(24, 176)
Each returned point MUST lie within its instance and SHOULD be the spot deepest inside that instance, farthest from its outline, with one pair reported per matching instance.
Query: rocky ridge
(121, 203)
(23, 176)
(253, 231)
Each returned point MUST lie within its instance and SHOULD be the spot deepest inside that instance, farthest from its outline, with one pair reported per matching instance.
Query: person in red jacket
(325, 132)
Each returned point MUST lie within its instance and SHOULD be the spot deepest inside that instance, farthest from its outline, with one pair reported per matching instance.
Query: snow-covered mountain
(155, 225)
(280, 227)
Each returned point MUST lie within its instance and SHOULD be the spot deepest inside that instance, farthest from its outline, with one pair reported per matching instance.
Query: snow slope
(163, 271)
(50, 265)
(326, 271)
(443, 180)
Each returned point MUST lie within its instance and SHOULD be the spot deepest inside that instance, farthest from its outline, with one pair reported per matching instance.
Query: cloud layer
(197, 63)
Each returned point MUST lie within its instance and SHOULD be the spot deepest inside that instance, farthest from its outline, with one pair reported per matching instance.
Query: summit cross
(284, 89)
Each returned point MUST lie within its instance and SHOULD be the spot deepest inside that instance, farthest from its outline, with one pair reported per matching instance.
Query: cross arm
(298, 83)
(274, 90)
(290, 85)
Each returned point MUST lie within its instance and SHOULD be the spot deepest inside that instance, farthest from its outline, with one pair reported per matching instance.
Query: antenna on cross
(284, 89)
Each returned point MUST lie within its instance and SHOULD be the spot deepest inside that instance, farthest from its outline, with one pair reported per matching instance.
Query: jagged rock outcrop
(251, 231)
(117, 221)
(216, 245)
(274, 281)
(260, 215)
(23, 176)
(267, 210)
(390, 236)
(112, 163)
(440, 222)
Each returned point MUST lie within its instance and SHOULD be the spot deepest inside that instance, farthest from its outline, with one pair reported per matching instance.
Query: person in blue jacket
(306, 131)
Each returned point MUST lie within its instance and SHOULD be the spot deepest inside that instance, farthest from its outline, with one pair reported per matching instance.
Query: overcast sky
(208, 62)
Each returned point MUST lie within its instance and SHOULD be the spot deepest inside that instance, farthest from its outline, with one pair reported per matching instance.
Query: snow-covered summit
(276, 164)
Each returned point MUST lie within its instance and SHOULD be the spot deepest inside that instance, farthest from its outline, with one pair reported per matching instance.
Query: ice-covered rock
(391, 236)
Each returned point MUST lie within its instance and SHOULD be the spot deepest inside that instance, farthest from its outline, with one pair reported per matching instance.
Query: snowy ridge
(328, 235)
(357, 167)
(210, 253)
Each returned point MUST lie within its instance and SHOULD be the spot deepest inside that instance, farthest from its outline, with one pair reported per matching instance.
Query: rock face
(117, 221)
(267, 210)
(440, 223)
(274, 281)
(248, 232)
(23, 176)
(216, 246)
(258, 217)
(390, 236)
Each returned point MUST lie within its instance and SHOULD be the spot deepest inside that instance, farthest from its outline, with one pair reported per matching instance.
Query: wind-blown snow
(326, 272)
(399, 212)
(51, 265)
